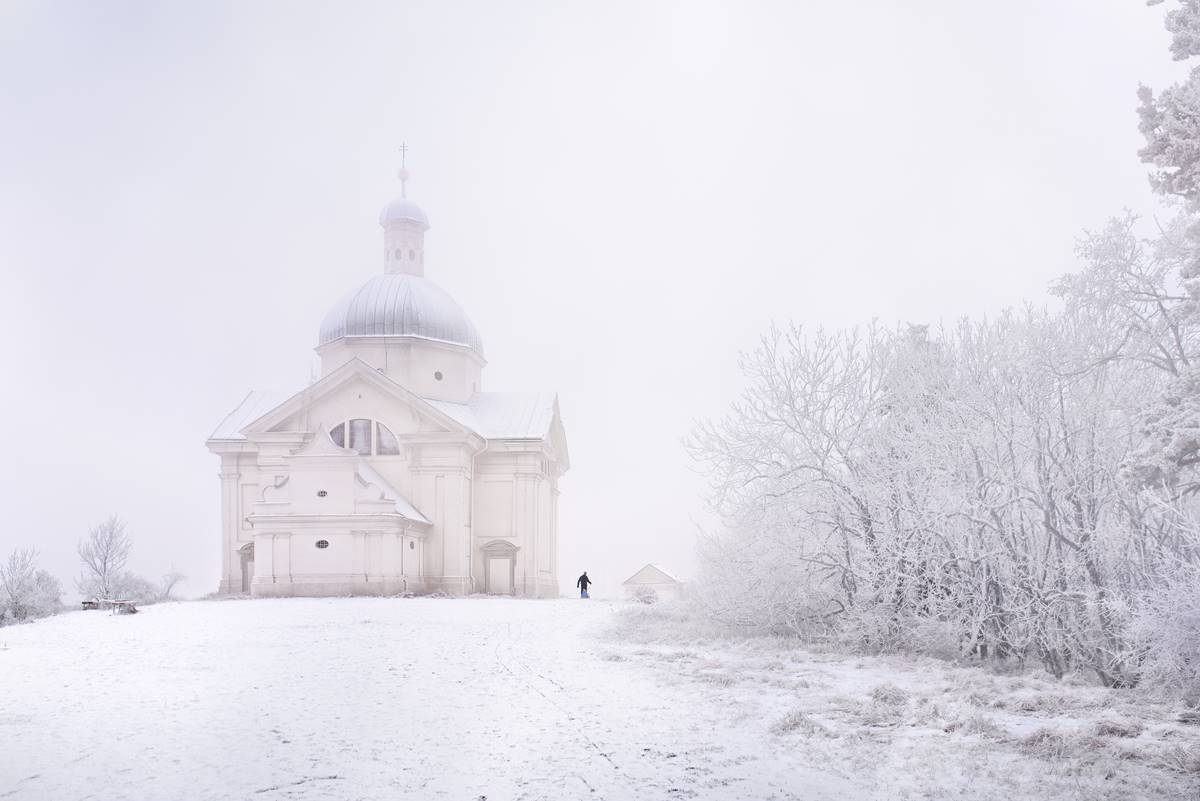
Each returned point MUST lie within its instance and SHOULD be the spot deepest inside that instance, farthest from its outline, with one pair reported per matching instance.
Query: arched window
(386, 444)
(384, 441)
(360, 436)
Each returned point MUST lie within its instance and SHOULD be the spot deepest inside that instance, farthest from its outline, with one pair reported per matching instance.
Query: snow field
(495, 699)
(367, 698)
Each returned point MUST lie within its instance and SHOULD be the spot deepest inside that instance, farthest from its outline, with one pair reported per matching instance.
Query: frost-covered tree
(167, 584)
(1170, 121)
(1168, 296)
(25, 591)
(959, 491)
(104, 554)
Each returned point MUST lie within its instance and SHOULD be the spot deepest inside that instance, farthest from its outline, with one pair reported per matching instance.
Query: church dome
(401, 305)
(403, 210)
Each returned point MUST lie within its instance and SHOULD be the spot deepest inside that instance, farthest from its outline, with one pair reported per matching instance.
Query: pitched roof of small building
(651, 574)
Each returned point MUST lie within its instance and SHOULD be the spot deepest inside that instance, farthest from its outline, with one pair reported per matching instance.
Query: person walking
(582, 583)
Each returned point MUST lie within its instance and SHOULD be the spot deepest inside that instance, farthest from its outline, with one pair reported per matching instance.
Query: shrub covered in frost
(25, 591)
(1167, 628)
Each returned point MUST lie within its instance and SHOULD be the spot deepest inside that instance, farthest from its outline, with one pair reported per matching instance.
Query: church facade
(394, 472)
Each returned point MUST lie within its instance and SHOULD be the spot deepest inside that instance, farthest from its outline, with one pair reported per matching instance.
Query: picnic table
(119, 606)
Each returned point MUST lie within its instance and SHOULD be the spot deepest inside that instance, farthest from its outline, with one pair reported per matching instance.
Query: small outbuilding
(651, 584)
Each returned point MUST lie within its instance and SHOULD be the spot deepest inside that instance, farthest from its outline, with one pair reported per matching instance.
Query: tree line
(1024, 487)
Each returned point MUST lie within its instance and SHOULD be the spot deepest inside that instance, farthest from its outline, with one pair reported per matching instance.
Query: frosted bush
(1167, 628)
(645, 595)
(799, 721)
(889, 694)
(25, 591)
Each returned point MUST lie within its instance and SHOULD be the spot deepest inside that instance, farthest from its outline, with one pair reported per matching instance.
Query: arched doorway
(246, 552)
(500, 567)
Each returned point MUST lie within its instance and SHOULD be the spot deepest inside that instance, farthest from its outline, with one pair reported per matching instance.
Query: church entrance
(499, 578)
(500, 567)
(246, 552)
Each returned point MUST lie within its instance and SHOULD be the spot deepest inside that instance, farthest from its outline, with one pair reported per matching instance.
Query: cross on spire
(403, 170)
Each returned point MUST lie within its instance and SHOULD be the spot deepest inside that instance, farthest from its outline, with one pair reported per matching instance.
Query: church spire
(404, 227)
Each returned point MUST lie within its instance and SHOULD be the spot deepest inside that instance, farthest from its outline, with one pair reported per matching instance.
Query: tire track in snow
(578, 733)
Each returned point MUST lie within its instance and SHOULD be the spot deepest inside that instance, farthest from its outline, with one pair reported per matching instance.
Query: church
(394, 472)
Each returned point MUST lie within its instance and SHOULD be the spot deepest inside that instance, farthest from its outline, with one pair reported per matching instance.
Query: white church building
(394, 472)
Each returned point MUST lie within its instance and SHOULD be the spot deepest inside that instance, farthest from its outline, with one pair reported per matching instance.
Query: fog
(623, 196)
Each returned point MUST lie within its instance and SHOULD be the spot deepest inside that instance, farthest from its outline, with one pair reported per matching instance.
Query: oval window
(438, 375)
(321, 493)
(322, 543)
(411, 545)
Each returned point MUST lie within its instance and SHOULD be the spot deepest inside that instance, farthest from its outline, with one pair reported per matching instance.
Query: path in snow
(367, 699)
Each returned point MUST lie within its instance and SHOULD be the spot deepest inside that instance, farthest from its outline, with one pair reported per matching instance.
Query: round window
(438, 375)
(321, 493)
(322, 543)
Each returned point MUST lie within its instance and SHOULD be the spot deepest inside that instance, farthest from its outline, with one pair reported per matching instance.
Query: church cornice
(402, 339)
(229, 446)
(284, 437)
(394, 523)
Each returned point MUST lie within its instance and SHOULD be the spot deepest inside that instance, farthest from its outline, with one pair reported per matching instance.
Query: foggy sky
(623, 195)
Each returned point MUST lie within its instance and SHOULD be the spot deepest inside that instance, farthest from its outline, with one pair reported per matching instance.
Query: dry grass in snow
(913, 727)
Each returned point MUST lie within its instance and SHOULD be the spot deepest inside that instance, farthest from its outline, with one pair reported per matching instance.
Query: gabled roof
(504, 415)
(651, 574)
(254, 405)
(262, 411)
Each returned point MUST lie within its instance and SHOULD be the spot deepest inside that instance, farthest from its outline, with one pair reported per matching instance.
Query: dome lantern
(404, 225)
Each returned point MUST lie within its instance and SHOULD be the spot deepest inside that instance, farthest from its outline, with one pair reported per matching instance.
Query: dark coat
(582, 582)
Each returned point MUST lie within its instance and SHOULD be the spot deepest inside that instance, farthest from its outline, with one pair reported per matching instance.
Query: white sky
(623, 196)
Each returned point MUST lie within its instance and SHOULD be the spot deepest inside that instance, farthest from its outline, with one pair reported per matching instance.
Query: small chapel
(394, 471)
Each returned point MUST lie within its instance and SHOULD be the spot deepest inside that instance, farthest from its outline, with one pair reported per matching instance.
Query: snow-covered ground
(508, 699)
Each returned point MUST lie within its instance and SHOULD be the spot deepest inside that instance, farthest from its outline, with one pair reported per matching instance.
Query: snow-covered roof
(369, 475)
(253, 406)
(651, 574)
(491, 415)
(503, 415)
(401, 305)
(403, 210)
